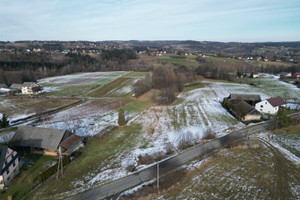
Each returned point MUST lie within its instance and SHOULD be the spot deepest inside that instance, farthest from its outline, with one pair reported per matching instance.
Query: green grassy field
(119, 87)
(189, 60)
(189, 88)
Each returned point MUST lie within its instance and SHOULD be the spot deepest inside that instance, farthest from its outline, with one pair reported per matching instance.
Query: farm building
(7, 90)
(244, 111)
(285, 75)
(17, 86)
(31, 88)
(9, 165)
(251, 99)
(46, 140)
(71, 144)
(296, 75)
(270, 106)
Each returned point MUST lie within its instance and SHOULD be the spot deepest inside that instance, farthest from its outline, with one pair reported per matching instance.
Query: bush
(148, 159)
(283, 119)
(209, 134)
(142, 86)
(225, 103)
(121, 119)
(186, 141)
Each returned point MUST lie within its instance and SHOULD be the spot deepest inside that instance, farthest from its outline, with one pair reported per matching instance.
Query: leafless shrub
(148, 159)
(145, 159)
(186, 141)
(209, 134)
(131, 167)
(169, 148)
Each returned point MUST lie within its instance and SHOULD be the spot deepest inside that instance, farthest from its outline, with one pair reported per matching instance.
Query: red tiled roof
(70, 141)
(276, 101)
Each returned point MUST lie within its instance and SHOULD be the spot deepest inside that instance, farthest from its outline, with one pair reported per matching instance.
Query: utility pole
(157, 178)
(60, 163)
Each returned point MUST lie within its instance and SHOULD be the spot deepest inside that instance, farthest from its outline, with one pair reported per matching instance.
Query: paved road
(147, 174)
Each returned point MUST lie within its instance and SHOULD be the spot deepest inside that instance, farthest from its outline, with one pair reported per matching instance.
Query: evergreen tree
(4, 122)
(283, 119)
(225, 103)
(121, 119)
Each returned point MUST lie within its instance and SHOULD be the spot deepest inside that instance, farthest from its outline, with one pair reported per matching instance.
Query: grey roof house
(41, 140)
(251, 99)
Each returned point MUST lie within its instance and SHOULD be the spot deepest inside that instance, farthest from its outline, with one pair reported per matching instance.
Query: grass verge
(97, 156)
(27, 179)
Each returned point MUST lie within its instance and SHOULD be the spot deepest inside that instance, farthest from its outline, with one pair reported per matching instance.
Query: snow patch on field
(266, 87)
(86, 126)
(268, 137)
(200, 112)
(76, 79)
(86, 119)
(19, 116)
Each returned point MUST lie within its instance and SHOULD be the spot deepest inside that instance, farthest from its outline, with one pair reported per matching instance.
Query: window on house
(265, 102)
(14, 163)
(7, 172)
(260, 109)
(261, 106)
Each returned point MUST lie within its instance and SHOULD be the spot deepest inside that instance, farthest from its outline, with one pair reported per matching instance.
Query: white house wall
(265, 107)
(13, 169)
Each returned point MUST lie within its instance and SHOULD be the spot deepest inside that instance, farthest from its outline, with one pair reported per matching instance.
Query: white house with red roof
(270, 106)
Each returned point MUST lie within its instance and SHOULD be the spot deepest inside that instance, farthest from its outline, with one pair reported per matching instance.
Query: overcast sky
(95, 20)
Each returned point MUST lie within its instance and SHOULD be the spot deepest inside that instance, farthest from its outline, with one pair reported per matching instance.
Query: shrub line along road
(173, 162)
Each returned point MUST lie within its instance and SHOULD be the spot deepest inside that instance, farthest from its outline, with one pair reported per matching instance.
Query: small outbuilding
(17, 87)
(244, 111)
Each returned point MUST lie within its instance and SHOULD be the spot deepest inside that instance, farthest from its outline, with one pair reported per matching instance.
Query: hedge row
(51, 170)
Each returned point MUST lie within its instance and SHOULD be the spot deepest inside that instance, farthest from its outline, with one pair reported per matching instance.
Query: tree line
(21, 67)
(228, 71)
(169, 79)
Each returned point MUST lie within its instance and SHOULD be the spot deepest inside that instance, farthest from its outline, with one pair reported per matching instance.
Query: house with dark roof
(17, 87)
(270, 106)
(243, 111)
(251, 99)
(72, 143)
(9, 165)
(296, 75)
(45, 140)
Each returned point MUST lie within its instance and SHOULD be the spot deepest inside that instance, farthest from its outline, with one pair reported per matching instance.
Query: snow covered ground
(271, 139)
(77, 79)
(266, 87)
(163, 127)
